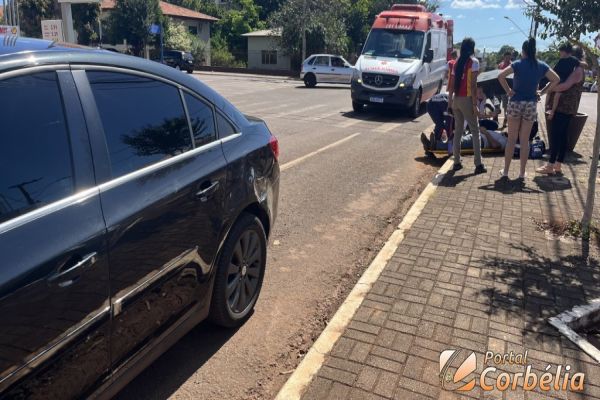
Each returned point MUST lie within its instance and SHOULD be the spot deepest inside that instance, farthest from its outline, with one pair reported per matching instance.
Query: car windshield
(394, 43)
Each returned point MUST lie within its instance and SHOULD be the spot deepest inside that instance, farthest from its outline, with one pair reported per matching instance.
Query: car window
(322, 61)
(225, 127)
(312, 61)
(35, 157)
(144, 120)
(202, 119)
(337, 62)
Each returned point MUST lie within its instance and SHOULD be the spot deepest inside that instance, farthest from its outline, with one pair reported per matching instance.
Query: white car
(325, 68)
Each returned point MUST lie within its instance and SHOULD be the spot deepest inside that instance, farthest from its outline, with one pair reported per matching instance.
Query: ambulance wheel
(358, 107)
(415, 110)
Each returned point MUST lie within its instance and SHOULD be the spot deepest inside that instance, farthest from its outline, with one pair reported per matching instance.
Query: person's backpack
(537, 148)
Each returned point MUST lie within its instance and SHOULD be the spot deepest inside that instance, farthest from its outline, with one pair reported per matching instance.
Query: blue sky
(484, 21)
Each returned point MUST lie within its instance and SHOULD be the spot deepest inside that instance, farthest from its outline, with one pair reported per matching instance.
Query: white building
(264, 51)
(196, 22)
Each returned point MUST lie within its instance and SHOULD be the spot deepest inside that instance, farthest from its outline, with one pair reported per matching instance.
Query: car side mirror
(428, 57)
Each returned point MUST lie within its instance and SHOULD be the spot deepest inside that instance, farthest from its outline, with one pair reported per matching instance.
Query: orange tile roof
(168, 9)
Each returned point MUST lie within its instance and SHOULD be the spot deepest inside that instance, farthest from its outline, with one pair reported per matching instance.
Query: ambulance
(404, 60)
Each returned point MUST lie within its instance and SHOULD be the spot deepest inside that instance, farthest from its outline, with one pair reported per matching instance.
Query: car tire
(358, 107)
(236, 275)
(415, 109)
(190, 71)
(310, 81)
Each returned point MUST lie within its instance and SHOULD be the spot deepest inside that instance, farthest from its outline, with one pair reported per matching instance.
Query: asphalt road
(346, 181)
(588, 105)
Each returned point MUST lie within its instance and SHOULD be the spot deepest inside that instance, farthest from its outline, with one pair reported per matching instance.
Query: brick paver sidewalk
(476, 273)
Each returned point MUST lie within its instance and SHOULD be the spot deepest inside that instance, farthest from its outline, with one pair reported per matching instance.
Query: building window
(193, 30)
(269, 57)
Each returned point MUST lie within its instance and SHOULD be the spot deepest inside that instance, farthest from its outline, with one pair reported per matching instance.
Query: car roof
(19, 53)
(325, 55)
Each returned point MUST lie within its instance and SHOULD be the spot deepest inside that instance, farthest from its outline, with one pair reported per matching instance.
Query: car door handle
(314, 68)
(70, 272)
(208, 190)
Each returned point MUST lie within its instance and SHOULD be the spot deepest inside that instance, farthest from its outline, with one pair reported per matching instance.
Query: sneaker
(426, 142)
(457, 167)
(480, 169)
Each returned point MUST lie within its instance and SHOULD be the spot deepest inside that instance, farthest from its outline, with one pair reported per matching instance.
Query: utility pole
(304, 32)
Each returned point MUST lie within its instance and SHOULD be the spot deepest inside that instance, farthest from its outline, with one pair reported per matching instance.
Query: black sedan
(134, 202)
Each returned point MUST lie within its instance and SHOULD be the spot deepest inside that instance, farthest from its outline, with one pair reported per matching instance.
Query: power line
(495, 36)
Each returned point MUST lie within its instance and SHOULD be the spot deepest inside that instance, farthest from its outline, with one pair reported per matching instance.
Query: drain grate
(581, 326)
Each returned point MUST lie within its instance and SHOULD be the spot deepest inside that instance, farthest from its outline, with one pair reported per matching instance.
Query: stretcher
(464, 152)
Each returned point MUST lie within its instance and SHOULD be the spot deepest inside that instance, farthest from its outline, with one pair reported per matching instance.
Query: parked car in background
(325, 68)
(180, 60)
(135, 202)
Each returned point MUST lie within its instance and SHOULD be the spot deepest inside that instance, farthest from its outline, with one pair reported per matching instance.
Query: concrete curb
(298, 382)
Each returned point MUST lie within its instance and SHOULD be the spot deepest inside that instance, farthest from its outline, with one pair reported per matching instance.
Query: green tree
(85, 22)
(242, 17)
(31, 14)
(360, 18)
(573, 19)
(131, 20)
(321, 22)
(177, 36)
(432, 5)
(268, 7)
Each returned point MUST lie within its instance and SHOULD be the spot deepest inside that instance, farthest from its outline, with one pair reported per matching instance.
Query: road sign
(52, 29)
(154, 29)
(9, 30)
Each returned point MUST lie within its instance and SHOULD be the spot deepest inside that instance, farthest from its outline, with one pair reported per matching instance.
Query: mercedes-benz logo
(378, 80)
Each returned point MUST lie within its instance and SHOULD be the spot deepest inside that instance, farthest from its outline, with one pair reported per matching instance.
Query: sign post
(158, 29)
(67, 16)
(52, 29)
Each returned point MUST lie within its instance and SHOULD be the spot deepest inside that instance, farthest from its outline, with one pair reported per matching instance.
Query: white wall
(255, 47)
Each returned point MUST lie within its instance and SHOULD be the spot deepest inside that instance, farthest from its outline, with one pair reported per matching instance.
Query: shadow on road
(161, 379)
(431, 160)
(379, 115)
(330, 87)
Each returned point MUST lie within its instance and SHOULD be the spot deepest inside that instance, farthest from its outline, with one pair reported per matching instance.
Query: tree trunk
(591, 194)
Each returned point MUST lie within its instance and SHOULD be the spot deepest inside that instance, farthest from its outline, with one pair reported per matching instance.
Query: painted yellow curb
(298, 382)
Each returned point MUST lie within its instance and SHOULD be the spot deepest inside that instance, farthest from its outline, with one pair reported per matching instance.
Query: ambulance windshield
(394, 43)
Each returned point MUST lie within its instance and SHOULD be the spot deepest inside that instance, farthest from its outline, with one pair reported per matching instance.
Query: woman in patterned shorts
(523, 97)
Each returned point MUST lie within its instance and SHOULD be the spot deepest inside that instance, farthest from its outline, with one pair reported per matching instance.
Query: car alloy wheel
(244, 272)
(240, 272)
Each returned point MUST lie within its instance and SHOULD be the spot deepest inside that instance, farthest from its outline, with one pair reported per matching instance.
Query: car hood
(387, 65)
